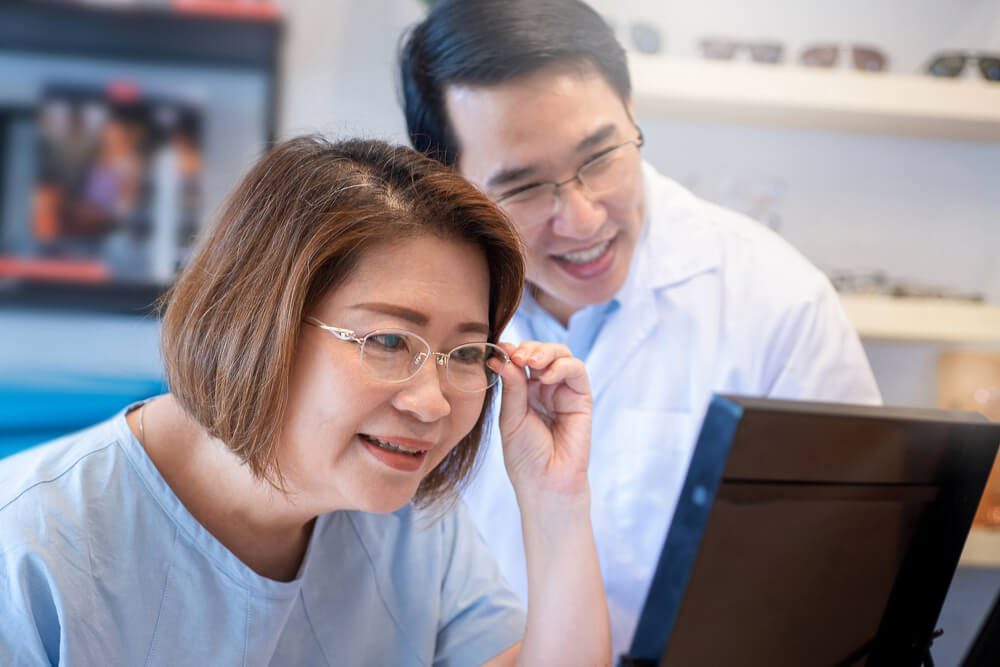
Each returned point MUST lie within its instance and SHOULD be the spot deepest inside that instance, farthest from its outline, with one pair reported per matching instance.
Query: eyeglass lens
(598, 178)
(396, 356)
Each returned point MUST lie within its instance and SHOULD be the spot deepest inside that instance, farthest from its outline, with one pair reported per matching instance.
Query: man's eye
(524, 192)
(599, 161)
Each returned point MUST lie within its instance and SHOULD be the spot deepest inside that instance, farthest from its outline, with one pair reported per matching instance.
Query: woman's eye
(469, 355)
(389, 341)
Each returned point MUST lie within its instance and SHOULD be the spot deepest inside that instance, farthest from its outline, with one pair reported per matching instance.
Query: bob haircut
(293, 230)
(489, 42)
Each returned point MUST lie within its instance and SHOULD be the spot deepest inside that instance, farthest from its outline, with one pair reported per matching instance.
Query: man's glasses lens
(607, 172)
(396, 356)
(598, 177)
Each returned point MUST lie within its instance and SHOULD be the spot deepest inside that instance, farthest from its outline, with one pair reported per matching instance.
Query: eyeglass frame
(558, 185)
(973, 58)
(441, 358)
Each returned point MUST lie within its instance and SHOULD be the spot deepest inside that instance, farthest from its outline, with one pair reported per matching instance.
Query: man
(666, 298)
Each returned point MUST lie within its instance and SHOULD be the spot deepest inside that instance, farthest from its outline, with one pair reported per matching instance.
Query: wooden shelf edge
(922, 320)
(796, 96)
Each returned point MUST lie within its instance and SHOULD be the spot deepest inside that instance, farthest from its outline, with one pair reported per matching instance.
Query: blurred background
(867, 134)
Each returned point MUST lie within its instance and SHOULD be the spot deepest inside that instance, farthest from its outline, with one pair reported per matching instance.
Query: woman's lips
(385, 450)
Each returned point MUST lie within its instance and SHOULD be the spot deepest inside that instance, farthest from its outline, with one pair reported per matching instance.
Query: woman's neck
(250, 517)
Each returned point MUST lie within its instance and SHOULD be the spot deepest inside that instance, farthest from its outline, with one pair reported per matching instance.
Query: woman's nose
(423, 394)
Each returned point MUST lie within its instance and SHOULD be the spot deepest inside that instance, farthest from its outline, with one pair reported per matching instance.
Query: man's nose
(577, 215)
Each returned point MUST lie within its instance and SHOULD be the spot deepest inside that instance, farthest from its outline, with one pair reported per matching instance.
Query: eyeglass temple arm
(342, 334)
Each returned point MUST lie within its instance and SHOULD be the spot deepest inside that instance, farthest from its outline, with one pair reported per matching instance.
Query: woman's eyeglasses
(395, 355)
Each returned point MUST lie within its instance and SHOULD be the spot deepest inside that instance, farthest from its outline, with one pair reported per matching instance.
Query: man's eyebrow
(596, 138)
(416, 317)
(592, 140)
(505, 176)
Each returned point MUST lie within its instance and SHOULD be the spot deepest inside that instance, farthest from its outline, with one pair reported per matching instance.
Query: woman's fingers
(536, 356)
(514, 392)
(550, 363)
(567, 370)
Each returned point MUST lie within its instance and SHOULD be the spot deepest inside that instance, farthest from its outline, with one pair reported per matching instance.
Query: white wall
(925, 211)
(339, 67)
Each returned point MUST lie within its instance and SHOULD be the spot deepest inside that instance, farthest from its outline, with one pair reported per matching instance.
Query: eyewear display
(597, 177)
(952, 64)
(644, 37)
(721, 48)
(865, 58)
(395, 355)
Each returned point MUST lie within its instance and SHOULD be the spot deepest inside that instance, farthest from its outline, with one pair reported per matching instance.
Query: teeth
(392, 447)
(584, 256)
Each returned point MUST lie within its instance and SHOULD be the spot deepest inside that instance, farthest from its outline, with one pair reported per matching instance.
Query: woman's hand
(545, 425)
(545, 420)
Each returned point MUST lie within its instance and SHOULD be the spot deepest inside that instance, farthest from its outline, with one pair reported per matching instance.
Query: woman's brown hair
(292, 230)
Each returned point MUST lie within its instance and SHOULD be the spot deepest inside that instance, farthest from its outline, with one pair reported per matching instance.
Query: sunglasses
(864, 58)
(952, 64)
(721, 48)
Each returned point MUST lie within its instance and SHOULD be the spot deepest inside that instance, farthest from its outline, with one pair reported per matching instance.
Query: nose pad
(576, 214)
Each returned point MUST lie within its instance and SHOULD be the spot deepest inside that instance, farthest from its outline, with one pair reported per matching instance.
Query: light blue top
(101, 564)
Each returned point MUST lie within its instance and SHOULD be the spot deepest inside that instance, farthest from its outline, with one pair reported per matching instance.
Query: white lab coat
(714, 302)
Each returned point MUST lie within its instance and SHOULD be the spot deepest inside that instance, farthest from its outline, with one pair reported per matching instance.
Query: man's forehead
(507, 131)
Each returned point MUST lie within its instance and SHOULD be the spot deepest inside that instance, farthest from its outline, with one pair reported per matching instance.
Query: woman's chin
(386, 503)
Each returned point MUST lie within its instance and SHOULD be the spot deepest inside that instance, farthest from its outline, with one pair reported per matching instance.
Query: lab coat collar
(676, 244)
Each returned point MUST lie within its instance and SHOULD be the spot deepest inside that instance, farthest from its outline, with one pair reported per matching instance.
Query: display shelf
(923, 320)
(798, 96)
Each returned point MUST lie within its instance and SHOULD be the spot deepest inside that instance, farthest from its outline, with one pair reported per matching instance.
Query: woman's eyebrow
(416, 317)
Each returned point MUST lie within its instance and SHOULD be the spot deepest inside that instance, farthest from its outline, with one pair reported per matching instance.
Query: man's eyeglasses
(394, 356)
(599, 176)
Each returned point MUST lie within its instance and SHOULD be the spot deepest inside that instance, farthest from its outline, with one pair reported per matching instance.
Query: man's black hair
(488, 42)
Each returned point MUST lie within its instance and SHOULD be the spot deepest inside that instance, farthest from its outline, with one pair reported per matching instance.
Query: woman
(331, 352)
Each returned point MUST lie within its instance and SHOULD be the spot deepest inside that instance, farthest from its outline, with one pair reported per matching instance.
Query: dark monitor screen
(814, 534)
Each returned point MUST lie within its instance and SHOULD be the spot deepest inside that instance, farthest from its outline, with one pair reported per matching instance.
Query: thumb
(514, 394)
